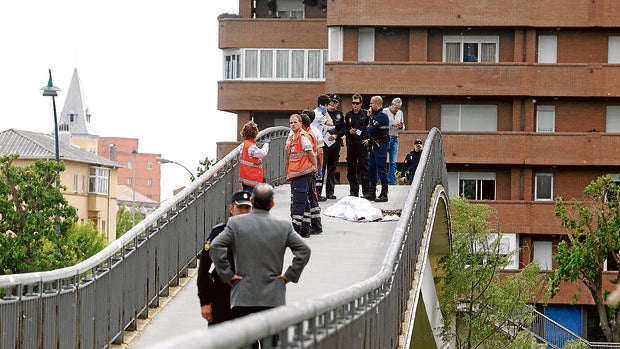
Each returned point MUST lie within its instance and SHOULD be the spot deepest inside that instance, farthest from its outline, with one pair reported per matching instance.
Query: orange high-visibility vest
(298, 163)
(250, 169)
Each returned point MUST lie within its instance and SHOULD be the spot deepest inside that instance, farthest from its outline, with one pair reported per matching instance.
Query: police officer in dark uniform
(378, 129)
(356, 124)
(214, 294)
(331, 154)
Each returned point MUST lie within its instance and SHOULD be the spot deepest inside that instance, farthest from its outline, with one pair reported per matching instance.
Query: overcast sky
(148, 70)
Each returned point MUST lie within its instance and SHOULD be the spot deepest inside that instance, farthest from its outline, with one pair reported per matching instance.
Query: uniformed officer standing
(356, 123)
(332, 147)
(379, 142)
(214, 293)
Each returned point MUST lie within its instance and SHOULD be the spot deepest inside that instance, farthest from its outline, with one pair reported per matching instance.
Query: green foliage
(38, 229)
(124, 221)
(204, 166)
(574, 344)
(591, 237)
(475, 299)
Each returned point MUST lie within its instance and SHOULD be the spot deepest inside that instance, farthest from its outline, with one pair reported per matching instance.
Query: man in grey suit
(259, 241)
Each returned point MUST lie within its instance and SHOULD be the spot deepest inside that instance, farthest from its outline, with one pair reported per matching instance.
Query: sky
(148, 69)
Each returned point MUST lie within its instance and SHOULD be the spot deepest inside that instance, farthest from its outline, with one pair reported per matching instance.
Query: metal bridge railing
(368, 314)
(90, 304)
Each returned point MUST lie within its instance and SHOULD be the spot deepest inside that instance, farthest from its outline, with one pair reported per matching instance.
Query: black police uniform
(331, 154)
(357, 153)
(212, 290)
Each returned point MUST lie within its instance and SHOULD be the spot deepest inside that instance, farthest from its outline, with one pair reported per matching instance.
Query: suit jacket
(259, 241)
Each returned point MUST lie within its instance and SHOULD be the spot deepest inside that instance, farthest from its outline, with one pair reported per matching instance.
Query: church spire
(74, 115)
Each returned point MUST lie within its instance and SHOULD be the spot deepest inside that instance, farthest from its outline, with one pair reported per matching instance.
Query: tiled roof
(34, 145)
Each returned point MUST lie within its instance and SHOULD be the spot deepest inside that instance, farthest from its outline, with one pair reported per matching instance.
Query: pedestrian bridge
(368, 285)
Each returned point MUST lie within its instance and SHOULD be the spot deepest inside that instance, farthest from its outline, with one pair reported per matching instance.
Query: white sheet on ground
(354, 209)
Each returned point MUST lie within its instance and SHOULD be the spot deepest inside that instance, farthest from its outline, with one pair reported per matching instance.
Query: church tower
(75, 118)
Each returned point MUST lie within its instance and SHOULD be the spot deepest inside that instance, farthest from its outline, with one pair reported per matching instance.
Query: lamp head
(50, 89)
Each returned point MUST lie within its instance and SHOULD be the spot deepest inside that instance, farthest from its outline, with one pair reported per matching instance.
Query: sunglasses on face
(356, 103)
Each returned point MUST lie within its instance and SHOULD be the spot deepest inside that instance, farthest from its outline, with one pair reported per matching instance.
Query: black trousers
(357, 168)
(331, 155)
(238, 312)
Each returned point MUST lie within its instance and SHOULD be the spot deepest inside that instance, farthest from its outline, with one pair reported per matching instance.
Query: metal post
(133, 182)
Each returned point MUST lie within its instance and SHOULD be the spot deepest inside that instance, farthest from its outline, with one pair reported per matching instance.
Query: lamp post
(51, 90)
(166, 161)
(133, 183)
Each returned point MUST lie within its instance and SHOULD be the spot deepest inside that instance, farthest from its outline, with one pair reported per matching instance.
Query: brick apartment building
(526, 94)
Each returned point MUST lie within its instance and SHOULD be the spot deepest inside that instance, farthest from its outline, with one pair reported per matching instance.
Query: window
(277, 64)
(232, 66)
(612, 124)
(102, 225)
(149, 182)
(543, 188)
(470, 48)
(129, 164)
(472, 185)
(547, 49)
(290, 9)
(75, 183)
(334, 44)
(129, 181)
(366, 45)
(83, 184)
(98, 180)
(468, 117)
(149, 165)
(545, 118)
(543, 254)
(613, 50)
(508, 246)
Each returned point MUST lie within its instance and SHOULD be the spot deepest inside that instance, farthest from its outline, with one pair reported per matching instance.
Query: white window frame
(465, 39)
(454, 117)
(366, 44)
(613, 50)
(541, 175)
(543, 254)
(290, 9)
(612, 119)
(270, 72)
(232, 64)
(543, 114)
(455, 179)
(335, 45)
(149, 182)
(509, 246)
(98, 180)
(547, 49)
(75, 183)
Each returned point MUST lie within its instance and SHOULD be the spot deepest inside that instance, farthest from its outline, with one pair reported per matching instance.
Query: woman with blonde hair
(251, 170)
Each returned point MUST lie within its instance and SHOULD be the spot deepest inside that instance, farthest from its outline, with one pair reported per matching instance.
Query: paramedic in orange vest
(300, 171)
(316, 226)
(251, 170)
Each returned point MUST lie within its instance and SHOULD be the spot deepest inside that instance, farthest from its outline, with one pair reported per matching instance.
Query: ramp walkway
(346, 253)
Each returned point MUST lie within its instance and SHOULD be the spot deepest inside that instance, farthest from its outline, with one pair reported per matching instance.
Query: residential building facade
(526, 94)
(87, 178)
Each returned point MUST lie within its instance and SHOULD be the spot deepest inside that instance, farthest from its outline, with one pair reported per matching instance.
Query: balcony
(235, 95)
(478, 79)
(526, 148)
(272, 33)
(504, 13)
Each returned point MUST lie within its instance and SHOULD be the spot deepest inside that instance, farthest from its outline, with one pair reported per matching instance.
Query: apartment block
(526, 94)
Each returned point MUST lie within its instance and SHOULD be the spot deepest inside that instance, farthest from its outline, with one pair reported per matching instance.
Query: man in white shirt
(396, 123)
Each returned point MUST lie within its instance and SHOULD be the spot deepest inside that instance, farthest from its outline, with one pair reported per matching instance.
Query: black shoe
(322, 198)
(353, 194)
(370, 196)
(331, 197)
(315, 231)
(305, 236)
(381, 198)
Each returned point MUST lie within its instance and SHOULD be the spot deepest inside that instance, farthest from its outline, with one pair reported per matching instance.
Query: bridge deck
(346, 253)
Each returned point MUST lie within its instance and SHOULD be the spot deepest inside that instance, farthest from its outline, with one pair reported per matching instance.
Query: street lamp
(133, 183)
(51, 90)
(166, 161)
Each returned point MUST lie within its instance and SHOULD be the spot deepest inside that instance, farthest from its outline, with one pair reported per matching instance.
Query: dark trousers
(331, 155)
(315, 209)
(357, 168)
(221, 302)
(377, 166)
(300, 203)
(238, 312)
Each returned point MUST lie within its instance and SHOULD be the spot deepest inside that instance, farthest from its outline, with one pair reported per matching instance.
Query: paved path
(346, 253)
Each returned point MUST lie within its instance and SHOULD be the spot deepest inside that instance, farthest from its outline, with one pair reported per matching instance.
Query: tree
(204, 166)
(124, 220)
(38, 229)
(475, 299)
(592, 236)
